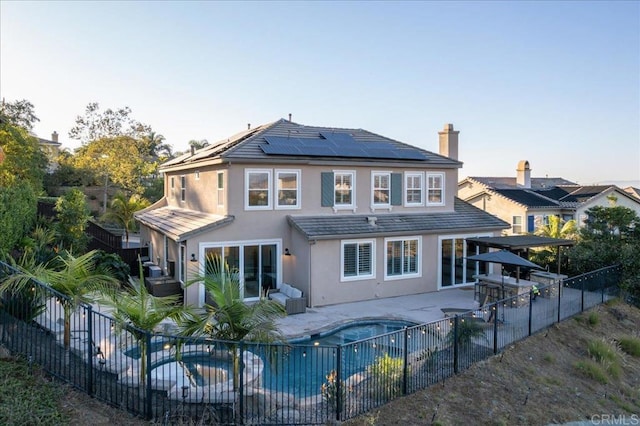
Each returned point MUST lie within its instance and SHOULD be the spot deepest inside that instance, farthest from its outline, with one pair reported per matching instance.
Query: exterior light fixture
(193, 258)
(287, 252)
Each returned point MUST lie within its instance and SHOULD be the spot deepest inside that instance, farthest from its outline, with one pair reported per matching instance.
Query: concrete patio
(419, 308)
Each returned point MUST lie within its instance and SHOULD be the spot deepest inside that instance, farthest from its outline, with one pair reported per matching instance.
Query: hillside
(549, 378)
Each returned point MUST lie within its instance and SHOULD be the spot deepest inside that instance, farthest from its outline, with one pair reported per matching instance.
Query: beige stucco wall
(201, 194)
(602, 200)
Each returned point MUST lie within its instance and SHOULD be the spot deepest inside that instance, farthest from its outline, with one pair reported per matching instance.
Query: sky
(554, 83)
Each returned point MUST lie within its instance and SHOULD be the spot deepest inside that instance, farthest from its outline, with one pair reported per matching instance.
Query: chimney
(248, 126)
(289, 117)
(523, 178)
(449, 141)
(54, 136)
(193, 150)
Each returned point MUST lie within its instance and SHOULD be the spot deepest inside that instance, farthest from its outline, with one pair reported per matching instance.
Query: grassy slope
(536, 381)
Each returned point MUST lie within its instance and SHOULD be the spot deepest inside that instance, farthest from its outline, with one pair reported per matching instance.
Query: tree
(152, 146)
(228, 318)
(610, 236)
(19, 113)
(117, 160)
(122, 210)
(72, 215)
(18, 210)
(555, 228)
(95, 124)
(198, 144)
(136, 307)
(23, 160)
(74, 277)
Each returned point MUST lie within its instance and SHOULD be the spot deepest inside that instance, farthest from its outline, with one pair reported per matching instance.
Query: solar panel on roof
(337, 145)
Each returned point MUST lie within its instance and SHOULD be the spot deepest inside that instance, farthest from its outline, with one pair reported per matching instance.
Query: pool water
(303, 369)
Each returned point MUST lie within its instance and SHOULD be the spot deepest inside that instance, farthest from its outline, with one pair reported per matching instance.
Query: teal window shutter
(326, 192)
(396, 189)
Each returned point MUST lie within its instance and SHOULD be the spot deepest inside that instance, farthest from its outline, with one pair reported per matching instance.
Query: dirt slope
(534, 382)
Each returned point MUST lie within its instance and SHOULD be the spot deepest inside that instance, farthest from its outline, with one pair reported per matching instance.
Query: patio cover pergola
(522, 243)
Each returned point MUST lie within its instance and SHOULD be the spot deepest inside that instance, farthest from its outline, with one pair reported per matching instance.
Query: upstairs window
(288, 191)
(257, 189)
(381, 188)
(413, 189)
(344, 184)
(183, 188)
(357, 260)
(435, 189)
(516, 224)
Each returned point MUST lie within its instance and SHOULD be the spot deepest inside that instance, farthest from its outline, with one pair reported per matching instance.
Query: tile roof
(465, 217)
(248, 145)
(180, 224)
(510, 182)
(527, 198)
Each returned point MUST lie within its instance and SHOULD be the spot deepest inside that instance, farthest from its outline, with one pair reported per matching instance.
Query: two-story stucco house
(527, 202)
(342, 214)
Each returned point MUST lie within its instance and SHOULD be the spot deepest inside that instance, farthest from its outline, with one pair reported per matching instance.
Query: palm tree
(122, 210)
(155, 147)
(228, 318)
(555, 228)
(136, 307)
(76, 278)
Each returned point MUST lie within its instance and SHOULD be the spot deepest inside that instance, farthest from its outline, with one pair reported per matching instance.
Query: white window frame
(407, 176)
(220, 189)
(240, 244)
(277, 189)
(269, 174)
(403, 274)
(352, 205)
(375, 174)
(183, 188)
(428, 188)
(358, 276)
(514, 224)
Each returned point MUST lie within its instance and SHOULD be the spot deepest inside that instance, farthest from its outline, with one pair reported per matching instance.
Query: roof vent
(372, 220)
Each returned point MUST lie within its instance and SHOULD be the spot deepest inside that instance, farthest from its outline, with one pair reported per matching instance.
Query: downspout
(309, 279)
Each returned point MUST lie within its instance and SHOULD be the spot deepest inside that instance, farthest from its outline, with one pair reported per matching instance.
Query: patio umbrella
(504, 257)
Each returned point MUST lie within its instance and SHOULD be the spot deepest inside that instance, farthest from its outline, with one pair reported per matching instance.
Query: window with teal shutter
(326, 192)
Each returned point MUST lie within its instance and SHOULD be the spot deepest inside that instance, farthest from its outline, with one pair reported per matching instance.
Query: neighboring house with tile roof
(51, 148)
(527, 202)
(633, 191)
(342, 214)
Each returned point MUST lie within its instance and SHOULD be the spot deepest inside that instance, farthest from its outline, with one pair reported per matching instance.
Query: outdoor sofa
(290, 297)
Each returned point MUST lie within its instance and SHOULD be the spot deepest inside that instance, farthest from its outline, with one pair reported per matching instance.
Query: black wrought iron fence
(176, 379)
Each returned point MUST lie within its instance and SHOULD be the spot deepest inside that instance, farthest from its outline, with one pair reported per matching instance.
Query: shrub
(605, 354)
(593, 318)
(387, 375)
(330, 392)
(630, 345)
(592, 370)
(468, 329)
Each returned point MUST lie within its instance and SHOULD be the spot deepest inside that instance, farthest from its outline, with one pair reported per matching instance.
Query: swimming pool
(302, 368)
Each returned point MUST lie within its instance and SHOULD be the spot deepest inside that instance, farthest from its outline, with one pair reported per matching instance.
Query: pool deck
(420, 308)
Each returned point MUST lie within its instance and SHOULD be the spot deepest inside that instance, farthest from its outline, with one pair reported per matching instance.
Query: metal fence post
(582, 295)
(455, 345)
(338, 382)
(90, 351)
(530, 309)
(148, 403)
(405, 366)
(241, 384)
(495, 328)
(559, 298)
